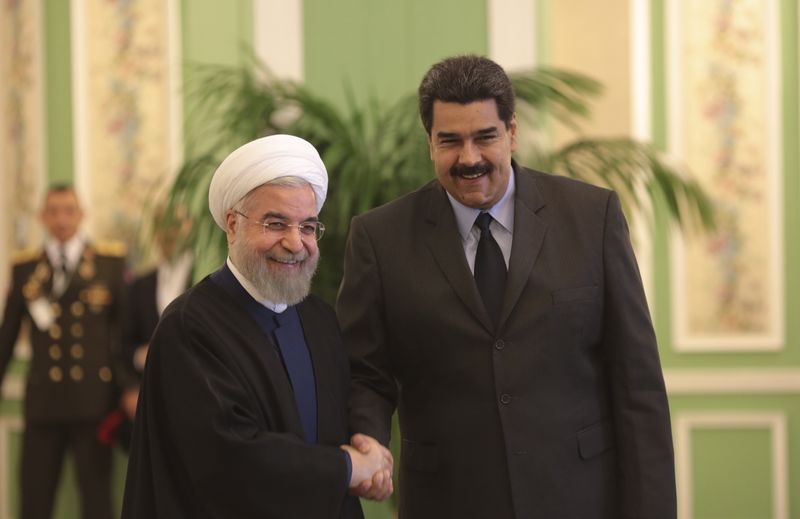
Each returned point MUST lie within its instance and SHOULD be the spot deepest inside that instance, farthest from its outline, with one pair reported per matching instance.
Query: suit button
(76, 372)
(55, 352)
(56, 375)
(55, 332)
(76, 330)
(505, 398)
(105, 374)
(499, 345)
(76, 351)
(77, 309)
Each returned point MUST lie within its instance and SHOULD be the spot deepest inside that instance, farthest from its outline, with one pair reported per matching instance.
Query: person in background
(70, 292)
(150, 293)
(501, 310)
(243, 404)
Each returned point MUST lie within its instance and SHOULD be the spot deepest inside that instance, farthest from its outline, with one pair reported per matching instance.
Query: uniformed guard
(70, 291)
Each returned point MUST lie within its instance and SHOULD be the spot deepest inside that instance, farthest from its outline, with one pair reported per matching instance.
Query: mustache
(460, 170)
(286, 257)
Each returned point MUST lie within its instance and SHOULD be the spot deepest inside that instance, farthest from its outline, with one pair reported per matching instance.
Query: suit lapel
(444, 242)
(529, 232)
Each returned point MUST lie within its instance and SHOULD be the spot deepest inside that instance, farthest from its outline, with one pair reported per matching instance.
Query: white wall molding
(640, 48)
(8, 425)
(732, 381)
(774, 422)
(511, 27)
(175, 85)
(81, 179)
(13, 388)
(278, 35)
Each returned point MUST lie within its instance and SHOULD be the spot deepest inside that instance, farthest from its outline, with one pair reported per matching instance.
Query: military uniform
(72, 380)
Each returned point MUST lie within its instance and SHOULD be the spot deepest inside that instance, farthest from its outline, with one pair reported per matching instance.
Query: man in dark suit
(70, 292)
(243, 404)
(501, 311)
(150, 293)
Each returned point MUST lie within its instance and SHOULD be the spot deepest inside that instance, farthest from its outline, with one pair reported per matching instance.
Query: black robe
(217, 432)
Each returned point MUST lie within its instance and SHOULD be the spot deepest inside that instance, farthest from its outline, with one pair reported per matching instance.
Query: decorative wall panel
(724, 125)
(125, 109)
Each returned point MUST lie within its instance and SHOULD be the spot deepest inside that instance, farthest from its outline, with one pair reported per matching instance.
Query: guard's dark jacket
(74, 364)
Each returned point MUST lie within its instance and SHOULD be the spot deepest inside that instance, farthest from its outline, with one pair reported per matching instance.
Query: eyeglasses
(309, 229)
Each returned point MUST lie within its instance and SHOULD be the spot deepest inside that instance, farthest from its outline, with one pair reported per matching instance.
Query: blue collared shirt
(502, 227)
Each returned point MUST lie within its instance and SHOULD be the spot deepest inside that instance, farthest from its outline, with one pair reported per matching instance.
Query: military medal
(86, 270)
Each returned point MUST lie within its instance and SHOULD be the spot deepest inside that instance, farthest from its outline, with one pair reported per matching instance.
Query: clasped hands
(371, 477)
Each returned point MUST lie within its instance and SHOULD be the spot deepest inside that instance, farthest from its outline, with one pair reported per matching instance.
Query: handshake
(372, 463)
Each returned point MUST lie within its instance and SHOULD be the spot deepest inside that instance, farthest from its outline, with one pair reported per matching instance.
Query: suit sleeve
(360, 309)
(124, 376)
(198, 425)
(13, 314)
(641, 411)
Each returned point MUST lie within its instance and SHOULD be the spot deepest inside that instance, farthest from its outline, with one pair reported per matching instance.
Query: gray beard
(276, 287)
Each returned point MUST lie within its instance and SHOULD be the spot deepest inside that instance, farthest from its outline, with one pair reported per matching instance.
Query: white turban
(260, 161)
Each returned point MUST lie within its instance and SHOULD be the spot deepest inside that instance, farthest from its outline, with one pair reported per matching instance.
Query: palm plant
(375, 153)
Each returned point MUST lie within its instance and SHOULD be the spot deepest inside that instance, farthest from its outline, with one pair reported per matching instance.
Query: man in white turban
(243, 406)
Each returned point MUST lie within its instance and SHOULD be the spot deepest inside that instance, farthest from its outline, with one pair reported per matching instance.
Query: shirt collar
(251, 289)
(72, 249)
(502, 211)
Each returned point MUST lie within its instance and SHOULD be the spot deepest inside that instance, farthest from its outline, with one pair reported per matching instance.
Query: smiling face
(471, 151)
(279, 264)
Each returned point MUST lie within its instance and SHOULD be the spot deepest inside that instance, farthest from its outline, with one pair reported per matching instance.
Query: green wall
(58, 91)
(380, 49)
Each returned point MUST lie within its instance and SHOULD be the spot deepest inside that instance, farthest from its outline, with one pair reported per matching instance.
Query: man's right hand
(371, 477)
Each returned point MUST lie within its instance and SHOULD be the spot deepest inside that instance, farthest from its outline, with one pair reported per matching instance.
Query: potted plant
(375, 153)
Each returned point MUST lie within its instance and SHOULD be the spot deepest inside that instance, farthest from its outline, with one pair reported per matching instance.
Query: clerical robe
(217, 432)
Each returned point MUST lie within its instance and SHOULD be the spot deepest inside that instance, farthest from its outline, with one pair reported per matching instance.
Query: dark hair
(60, 187)
(465, 79)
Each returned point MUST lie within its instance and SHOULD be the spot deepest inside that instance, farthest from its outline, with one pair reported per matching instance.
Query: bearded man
(242, 410)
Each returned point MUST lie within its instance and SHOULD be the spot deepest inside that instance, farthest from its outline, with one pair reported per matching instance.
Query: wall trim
(13, 388)
(732, 381)
(278, 33)
(8, 424)
(175, 68)
(641, 125)
(511, 33)
(775, 422)
(81, 179)
(771, 339)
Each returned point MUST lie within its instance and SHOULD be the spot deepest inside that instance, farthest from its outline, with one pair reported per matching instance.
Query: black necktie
(490, 268)
(62, 252)
(60, 275)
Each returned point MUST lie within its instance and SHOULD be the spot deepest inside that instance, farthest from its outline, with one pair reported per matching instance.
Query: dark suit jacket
(217, 431)
(561, 412)
(75, 362)
(141, 314)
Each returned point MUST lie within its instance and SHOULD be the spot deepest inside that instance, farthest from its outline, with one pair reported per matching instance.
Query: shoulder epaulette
(110, 248)
(26, 255)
